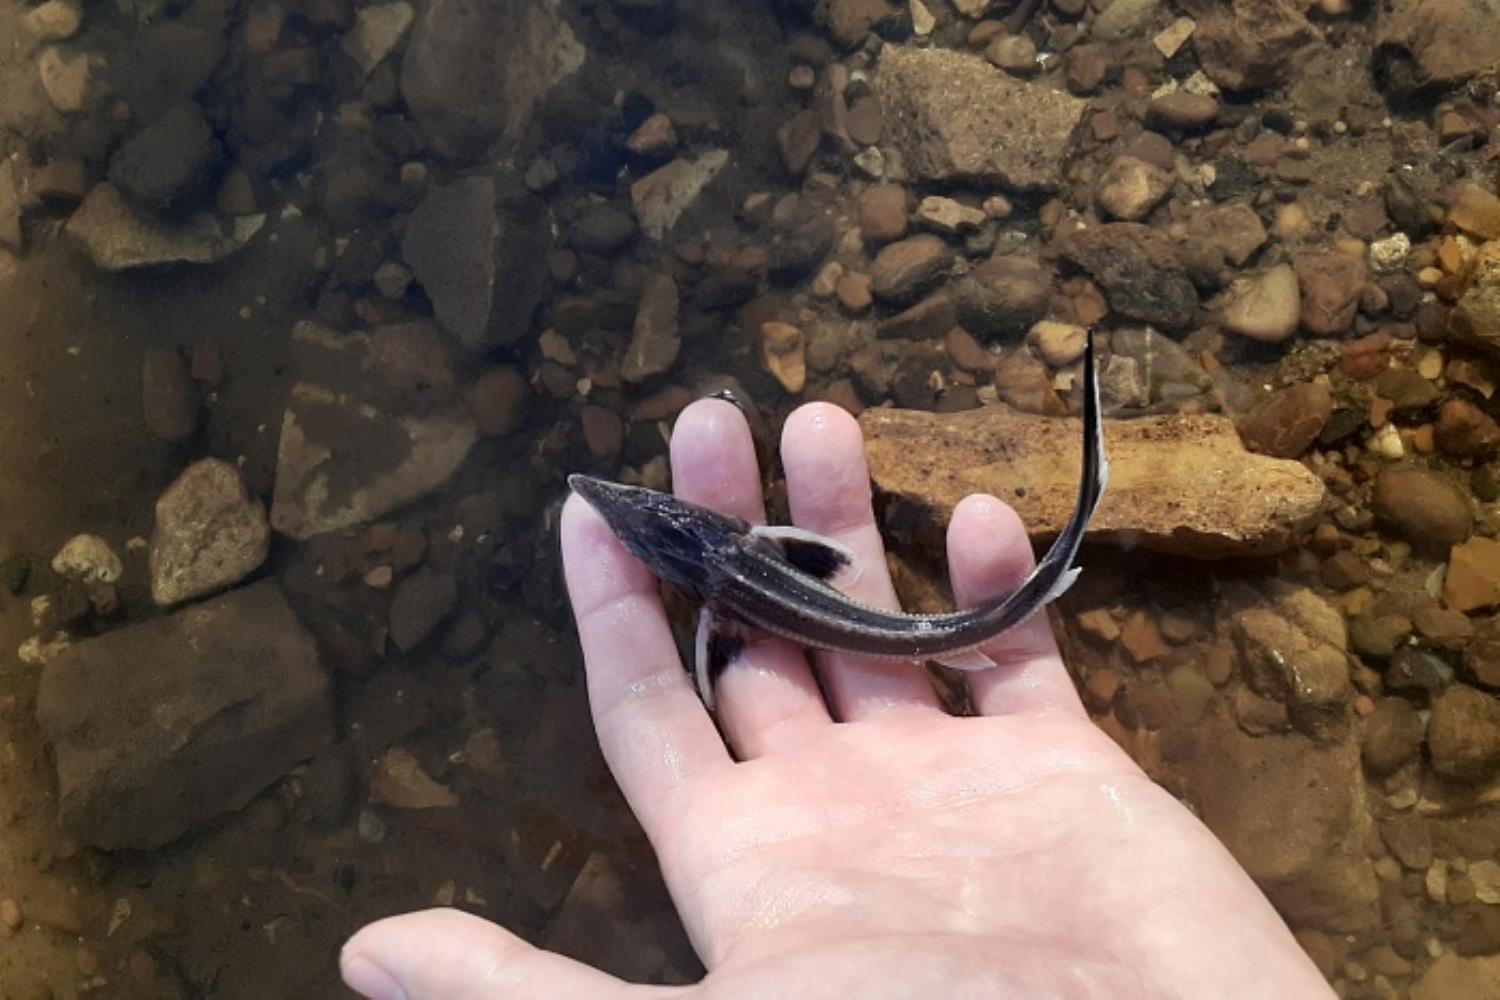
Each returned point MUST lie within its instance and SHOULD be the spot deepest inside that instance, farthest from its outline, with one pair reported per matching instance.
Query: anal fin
(967, 660)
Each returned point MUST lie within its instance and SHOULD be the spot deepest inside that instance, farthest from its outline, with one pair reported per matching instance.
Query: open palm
(860, 841)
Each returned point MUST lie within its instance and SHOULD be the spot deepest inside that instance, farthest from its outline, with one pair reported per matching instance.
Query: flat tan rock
(1181, 484)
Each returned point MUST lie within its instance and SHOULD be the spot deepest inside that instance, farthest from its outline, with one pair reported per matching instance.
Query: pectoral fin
(716, 646)
(816, 555)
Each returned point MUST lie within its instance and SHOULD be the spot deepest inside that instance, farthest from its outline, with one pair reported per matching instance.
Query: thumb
(447, 954)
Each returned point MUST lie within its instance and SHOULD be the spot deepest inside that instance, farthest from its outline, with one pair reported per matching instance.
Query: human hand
(868, 844)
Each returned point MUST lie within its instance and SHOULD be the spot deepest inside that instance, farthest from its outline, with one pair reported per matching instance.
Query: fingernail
(369, 980)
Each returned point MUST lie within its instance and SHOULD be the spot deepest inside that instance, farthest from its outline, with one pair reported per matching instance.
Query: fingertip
(988, 549)
(713, 459)
(578, 519)
(368, 978)
(982, 518)
(710, 418)
(448, 953)
(819, 421)
(828, 480)
(581, 529)
(371, 962)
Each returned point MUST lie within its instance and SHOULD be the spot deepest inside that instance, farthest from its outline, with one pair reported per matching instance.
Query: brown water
(404, 267)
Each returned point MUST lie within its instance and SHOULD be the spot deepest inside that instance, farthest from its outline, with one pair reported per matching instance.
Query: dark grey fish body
(777, 579)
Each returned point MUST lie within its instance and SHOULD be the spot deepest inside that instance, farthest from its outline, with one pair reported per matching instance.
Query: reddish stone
(1465, 431)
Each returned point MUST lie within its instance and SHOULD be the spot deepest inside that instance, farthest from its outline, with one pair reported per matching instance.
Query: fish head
(681, 543)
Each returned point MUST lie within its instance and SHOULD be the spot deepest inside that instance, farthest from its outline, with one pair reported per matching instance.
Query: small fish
(782, 580)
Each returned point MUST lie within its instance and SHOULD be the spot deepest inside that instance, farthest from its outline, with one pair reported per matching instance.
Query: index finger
(653, 730)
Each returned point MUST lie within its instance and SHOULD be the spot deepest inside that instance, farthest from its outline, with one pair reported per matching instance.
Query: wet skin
(868, 844)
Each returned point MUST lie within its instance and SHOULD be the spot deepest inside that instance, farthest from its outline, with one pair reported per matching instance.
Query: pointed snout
(619, 504)
(601, 494)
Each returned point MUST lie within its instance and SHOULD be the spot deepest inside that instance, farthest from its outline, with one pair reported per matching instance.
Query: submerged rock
(380, 427)
(905, 270)
(1393, 735)
(1139, 270)
(54, 21)
(210, 533)
(602, 230)
(476, 70)
(1303, 840)
(88, 559)
(377, 30)
(1286, 422)
(66, 77)
(783, 351)
(423, 600)
(954, 117)
(1473, 578)
(116, 238)
(1331, 284)
(498, 399)
(1476, 318)
(160, 726)
(1266, 307)
(663, 195)
(654, 342)
(1234, 232)
(1464, 734)
(1002, 297)
(1170, 372)
(1424, 507)
(398, 780)
(850, 21)
(1426, 43)
(484, 271)
(883, 213)
(1181, 484)
(168, 161)
(1249, 44)
(1294, 650)
(1130, 188)
(1475, 978)
(1125, 17)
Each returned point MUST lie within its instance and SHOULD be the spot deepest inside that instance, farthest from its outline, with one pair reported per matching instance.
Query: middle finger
(828, 486)
(768, 696)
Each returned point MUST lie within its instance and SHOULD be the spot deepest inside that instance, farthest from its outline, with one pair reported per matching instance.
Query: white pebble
(34, 652)
(1437, 881)
(54, 21)
(1386, 443)
(922, 21)
(88, 558)
(1389, 255)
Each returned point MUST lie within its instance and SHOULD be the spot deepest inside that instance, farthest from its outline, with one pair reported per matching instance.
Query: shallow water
(404, 267)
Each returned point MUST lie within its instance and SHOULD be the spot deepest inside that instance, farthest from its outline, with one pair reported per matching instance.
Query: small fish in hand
(782, 580)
